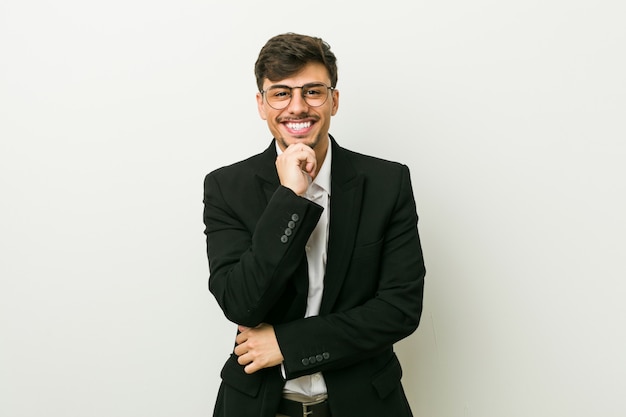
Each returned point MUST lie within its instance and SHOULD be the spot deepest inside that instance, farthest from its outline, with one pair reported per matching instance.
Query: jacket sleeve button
(284, 239)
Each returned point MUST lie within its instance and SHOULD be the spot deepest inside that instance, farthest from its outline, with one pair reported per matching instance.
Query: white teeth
(299, 126)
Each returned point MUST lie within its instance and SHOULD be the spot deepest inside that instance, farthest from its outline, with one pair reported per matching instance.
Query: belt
(297, 409)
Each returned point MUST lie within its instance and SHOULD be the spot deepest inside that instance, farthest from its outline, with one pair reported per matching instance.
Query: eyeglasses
(279, 96)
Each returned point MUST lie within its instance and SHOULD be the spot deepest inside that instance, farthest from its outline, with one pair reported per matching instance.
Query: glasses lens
(279, 97)
(315, 94)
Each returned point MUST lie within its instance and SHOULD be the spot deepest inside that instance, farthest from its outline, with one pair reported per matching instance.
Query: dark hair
(284, 55)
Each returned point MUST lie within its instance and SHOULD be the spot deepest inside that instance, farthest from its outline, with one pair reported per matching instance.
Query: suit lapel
(265, 172)
(345, 210)
(294, 305)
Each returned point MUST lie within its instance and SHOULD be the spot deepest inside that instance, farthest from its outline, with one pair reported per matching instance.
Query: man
(314, 253)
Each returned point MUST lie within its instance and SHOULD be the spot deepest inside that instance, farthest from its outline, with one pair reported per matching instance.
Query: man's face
(300, 122)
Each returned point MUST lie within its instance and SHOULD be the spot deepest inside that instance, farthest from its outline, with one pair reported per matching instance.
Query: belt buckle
(306, 406)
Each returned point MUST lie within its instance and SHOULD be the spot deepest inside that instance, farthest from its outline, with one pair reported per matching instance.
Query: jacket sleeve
(250, 264)
(336, 340)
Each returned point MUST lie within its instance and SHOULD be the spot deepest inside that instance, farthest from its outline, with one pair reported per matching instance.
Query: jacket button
(288, 232)
(319, 358)
(284, 239)
(326, 355)
(312, 360)
(305, 362)
(295, 217)
(291, 224)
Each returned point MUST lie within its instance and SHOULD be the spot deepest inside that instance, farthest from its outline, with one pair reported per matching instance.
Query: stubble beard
(281, 140)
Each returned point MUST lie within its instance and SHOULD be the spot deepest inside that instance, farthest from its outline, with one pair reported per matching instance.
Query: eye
(279, 93)
(314, 91)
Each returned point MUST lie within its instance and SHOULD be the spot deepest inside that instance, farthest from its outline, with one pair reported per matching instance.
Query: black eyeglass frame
(302, 89)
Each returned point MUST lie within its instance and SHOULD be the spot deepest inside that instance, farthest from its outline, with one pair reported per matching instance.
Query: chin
(311, 142)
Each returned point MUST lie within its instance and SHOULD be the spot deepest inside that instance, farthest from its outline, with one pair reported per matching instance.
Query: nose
(297, 103)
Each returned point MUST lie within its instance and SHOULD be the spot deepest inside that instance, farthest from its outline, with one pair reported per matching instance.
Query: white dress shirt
(318, 192)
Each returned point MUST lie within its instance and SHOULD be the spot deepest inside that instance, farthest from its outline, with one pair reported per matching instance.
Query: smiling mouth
(296, 127)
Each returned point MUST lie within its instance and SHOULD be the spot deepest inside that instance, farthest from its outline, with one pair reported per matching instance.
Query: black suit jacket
(373, 286)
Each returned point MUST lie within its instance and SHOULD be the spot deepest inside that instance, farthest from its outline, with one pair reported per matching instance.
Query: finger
(240, 350)
(309, 167)
(307, 161)
(244, 360)
(242, 337)
(250, 369)
(301, 151)
(298, 147)
(308, 155)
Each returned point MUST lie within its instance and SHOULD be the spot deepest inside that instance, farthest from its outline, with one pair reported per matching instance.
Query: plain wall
(510, 115)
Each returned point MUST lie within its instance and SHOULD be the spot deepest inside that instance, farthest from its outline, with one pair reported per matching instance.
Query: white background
(510, 115)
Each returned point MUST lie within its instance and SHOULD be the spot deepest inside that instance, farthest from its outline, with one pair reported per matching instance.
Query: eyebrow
(297, 86)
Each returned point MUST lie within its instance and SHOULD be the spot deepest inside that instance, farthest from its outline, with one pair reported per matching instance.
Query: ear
(335, 98)
(261, 106)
